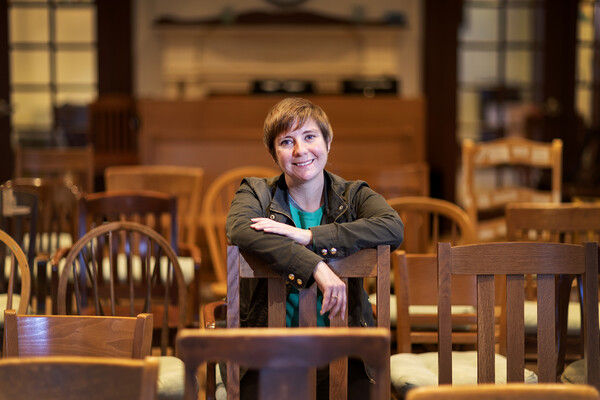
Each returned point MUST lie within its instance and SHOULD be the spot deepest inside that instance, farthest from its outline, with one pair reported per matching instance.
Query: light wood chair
(56, 227)
(215, 207)
(124, 268)
(428, 221)
(185, 183)
(367, 263)
(17, 261)
(410, 179)
(72, 335)
(513, 260)
(73, 163)
(286, 356)
(513, 391)
(71, 378)
(501, 171)
(556, 222)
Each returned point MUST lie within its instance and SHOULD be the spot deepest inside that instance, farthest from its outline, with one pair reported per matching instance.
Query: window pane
(518, 67)
(468, 107)
(28, 25)
(30, 66)
(32, 109)
(479, 25)
(75, 25)
(584, 104)
(585, 62)
(585, 24)
(79, 98)
(519, 21)
(75, 67)
(478, 67)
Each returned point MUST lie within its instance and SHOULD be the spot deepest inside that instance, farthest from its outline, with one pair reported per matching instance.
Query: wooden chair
(555, 222)
(368, 263)
(124, 268)
(215, 207)
(74, 163)
(513, 391)
(410, 179)
(285, 356)
(155, 209)
(185, 183)
(498, 172)
(113, 131)
(56, 226)
(428, 221)
(71, 335)
(513, 260)
(11, 252)
(71, 378)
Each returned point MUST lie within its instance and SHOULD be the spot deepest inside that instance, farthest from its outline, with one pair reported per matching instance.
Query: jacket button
(272, 216)
(299, 281)
(340, 208)
(333, 251)
(291, 277)
(324, 252)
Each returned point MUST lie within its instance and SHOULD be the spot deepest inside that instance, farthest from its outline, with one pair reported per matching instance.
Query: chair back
(73, 163)
(413, 277)
(285, 356)
(185, 183)
(72, 335)
(513, 391)
(501, 171)
(410, 179)
(215, 208)
(512, 260)
(19, 218)
(17, 261)
(70, 378)
(124, 268)
(428, 221)
(367, 263)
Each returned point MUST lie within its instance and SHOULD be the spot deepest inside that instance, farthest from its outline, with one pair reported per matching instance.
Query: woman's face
(302, 153)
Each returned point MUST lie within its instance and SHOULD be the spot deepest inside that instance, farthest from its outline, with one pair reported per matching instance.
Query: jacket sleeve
(291, 260)
(371, 222)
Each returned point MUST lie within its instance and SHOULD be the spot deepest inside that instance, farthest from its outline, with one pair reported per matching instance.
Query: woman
(295, 222)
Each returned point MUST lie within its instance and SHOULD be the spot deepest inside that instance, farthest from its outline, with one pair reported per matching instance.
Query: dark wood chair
(70, 378)
(124, 268)
(285, 356)
(367, 263)
(17, 269)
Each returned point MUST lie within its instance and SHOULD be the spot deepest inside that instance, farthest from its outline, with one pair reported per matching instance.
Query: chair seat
(171, 375)
(573, 321)
(574, 373)
(423, 310)
(411, 370)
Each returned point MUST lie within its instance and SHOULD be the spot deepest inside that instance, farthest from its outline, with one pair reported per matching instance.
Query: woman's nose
(298, 148)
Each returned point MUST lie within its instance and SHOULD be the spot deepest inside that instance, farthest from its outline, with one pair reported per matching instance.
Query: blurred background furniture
(73, 163)
(15, 275)
(124, 268)
(513, 169)
(185, 183)
(56, 227)
(215, 208)
(513, 391)
(93, 378)
(410, 179)
(285, 356)
(428, 221)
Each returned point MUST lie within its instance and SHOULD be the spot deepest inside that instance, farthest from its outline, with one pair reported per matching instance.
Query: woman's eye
(285, 142)
(309, 138)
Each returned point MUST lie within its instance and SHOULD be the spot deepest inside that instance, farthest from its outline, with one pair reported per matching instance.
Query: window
(52, 47)
(588, 60)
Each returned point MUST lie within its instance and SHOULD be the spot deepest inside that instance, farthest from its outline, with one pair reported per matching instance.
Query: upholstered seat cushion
(574, 373)
(410, 370)
(573, 321)
(171, 378)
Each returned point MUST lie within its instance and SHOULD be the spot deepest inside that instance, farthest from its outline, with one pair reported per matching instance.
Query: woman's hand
(300, 236)
(334, 290)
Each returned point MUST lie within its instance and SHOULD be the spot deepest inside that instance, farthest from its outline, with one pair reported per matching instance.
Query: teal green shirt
(304, 220)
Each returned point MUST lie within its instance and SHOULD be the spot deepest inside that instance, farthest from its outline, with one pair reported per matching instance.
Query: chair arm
(213, 312)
